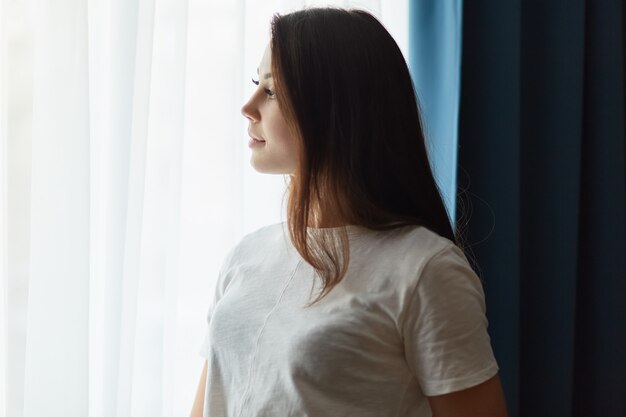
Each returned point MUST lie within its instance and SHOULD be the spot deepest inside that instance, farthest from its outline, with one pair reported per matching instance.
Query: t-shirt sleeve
(204, 346)
(220, 288)
(445, 335)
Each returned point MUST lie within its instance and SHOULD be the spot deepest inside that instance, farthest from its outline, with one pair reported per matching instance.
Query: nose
(250, 112)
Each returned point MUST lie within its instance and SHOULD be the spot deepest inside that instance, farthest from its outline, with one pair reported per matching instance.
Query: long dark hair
(345, 89)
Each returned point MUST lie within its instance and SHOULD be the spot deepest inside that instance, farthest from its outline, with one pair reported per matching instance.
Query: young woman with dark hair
(363, 302)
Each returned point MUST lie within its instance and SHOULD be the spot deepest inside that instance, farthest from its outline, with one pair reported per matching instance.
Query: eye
(268, 91)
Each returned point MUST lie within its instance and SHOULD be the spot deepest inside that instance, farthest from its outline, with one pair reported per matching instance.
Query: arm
(198, 404)
(484, 400)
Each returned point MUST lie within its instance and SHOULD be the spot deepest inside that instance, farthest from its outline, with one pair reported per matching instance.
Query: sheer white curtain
(124, 181)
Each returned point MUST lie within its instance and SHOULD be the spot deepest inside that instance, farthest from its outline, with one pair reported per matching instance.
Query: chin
(269, 169)
(266, 168)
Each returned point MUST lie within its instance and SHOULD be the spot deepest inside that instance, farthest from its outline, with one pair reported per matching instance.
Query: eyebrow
(266, 75)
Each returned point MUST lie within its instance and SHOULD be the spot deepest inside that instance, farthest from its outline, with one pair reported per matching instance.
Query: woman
(362, 304)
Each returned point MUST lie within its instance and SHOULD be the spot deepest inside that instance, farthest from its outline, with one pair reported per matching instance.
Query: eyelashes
(268, 92)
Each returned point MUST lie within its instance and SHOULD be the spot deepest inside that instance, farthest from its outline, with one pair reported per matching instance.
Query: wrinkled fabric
(406, 322)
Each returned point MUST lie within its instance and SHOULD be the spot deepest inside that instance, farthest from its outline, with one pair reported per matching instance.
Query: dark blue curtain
(542, 189)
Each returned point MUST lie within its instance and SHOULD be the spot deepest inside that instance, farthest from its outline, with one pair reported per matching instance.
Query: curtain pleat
(435, 63)
(542, 171)
(57, 318)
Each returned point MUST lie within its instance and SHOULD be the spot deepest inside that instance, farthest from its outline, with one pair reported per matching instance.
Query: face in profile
(273, 147)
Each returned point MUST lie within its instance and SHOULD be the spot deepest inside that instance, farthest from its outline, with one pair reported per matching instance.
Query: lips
(254, 137)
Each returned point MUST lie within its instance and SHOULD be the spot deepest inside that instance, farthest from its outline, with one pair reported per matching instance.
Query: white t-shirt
(407, 321)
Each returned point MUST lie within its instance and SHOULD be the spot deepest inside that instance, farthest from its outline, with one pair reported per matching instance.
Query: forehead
(265, 65)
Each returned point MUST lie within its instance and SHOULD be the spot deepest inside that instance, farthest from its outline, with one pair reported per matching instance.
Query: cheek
(280, 154)
(282, 134)
(285, 135)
